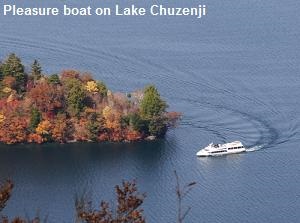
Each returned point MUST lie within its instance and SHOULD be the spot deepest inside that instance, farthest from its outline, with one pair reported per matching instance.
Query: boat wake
(254, 148)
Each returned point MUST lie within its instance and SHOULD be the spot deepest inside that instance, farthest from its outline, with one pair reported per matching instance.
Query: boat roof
(235, 143)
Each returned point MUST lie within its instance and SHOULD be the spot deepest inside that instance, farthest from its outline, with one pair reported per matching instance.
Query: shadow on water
(38, 158)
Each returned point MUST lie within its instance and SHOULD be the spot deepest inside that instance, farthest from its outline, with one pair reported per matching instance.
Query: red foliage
(104, 136)
(47, 97)
(128, 209)
(132, 135)
(9, 107)
(70, 74)
(173, 118)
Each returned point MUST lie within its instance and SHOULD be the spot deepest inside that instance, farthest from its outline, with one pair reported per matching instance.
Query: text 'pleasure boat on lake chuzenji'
(222, 149)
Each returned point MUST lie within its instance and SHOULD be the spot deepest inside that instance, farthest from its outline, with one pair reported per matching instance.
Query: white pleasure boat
(222, 149)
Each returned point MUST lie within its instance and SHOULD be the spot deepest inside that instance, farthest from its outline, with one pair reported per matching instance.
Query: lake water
(235, 75)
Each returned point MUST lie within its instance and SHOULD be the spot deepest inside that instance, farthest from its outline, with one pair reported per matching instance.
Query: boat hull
(206, 154)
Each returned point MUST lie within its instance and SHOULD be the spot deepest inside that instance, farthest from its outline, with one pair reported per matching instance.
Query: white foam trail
(254, 148)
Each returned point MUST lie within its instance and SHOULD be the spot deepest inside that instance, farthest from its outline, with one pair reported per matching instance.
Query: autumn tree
(5, 193)
(62, 128)
(13, 129)
(36, 70)
(47, 97)
(128, 208)
(7, 86)
(72, 74)
(112, 118)
(43, 128)
(10, 82)
(181, 192)
(91, 86)
(13, 66)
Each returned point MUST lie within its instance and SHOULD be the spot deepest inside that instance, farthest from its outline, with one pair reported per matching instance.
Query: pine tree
(13, 66)
(102, 88)
(75, 96)
(152, 105)
(1, 74)
(54, 79)
(35, 119)
(36, 70)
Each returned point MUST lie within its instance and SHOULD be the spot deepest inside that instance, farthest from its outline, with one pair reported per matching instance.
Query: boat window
(219, 151)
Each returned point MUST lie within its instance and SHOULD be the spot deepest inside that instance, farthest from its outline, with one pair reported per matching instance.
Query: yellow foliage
(89, 110)
(2, 118)
(112, 118)
(91, 86)
(106, 112)
(7, 90)
(43, 128)
(11, 97)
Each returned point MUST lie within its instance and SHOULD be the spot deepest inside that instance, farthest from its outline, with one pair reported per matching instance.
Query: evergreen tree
(102, 88)
(36, 70)
(152, 105)
(93, 127)
(35, 119)
(157, 126)
(1, 74)
(137, 123)
(12, 66)
(54, 79)
(75, 95)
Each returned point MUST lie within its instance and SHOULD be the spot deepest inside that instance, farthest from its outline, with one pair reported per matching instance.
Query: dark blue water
(235, 75)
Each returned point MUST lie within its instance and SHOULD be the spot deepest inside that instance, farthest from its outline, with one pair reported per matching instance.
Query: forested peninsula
(72, 106)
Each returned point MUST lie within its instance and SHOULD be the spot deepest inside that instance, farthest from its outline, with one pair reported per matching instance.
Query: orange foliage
(60, 130)
(13, 130)
(43, 128)
(81, 133)
(35, 138)
(9, 81)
